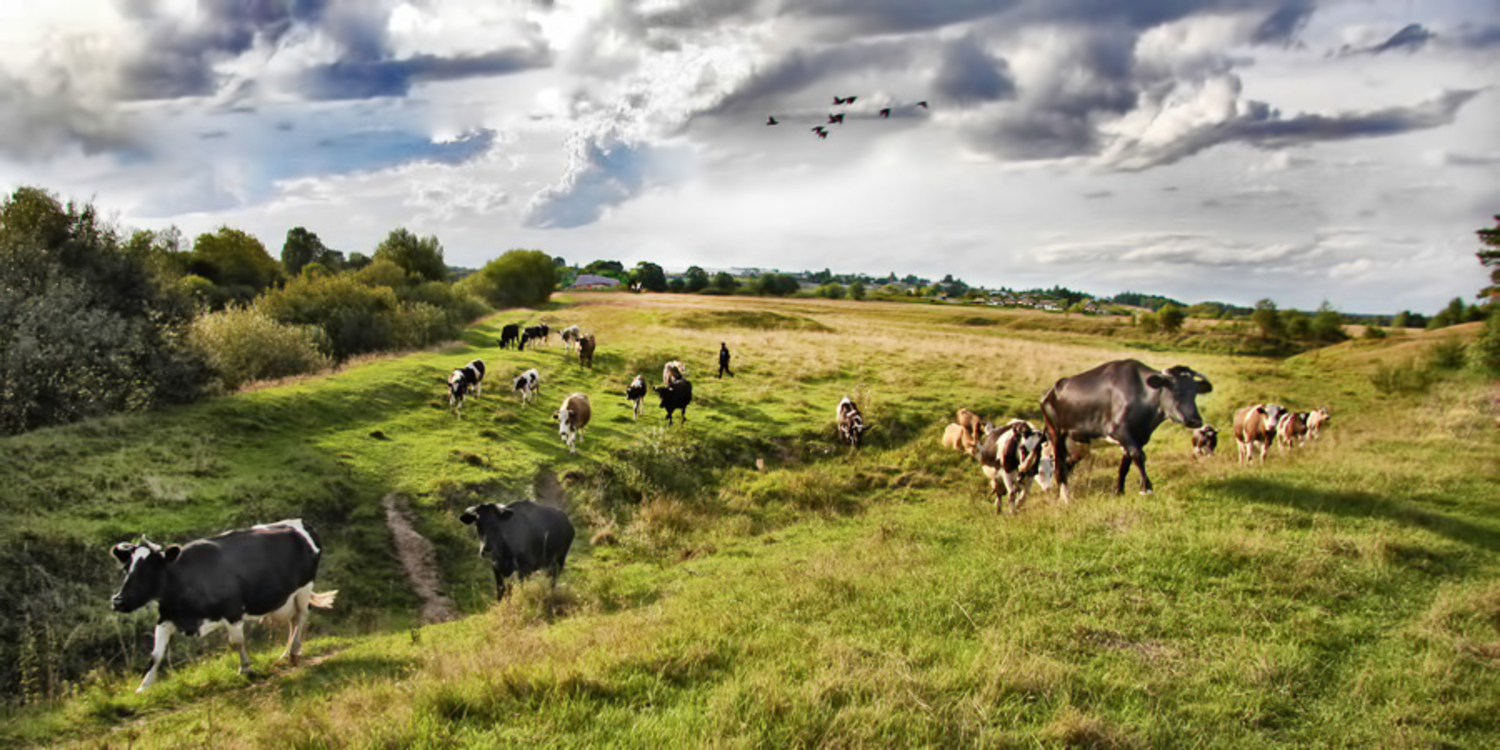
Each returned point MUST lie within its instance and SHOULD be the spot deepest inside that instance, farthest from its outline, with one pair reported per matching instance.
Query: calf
(521, 538)
(953, 438)
(973, 424)
(1255, 426)
(569, 338)
(676, 397)
(261, 572)
(671, 371)
(1291, 430)
(528, 384)
(571, 418)
(1011, 455)
(1315, 421)
(635, 393)
(510, 336)
(1205, 441)
(586, 351)
(851, 423)
(462, 382)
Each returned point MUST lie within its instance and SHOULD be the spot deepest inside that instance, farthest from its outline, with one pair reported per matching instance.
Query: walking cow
(572, 417)
(851, 423)
(635, 393)
(1122, 401)
(521, 538)
(586, 345)
(1012, 456)
(261, 572)
(528, 384)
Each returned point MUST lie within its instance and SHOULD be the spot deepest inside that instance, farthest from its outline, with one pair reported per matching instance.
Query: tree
(235, 262)
(519, 278)
(1171, 317)
(301, 248)
(420, 256)
(1489, 257)
(1149, 322)
(1486, 350)
(830, 290)
(776, 285)
(649, 276)
(1328, 324)
(857, 290)
(696, 279)
(358, 261)
(1267, 320)
(1453, 314)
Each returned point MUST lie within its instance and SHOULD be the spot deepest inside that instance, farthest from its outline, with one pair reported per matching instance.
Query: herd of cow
(267, 571)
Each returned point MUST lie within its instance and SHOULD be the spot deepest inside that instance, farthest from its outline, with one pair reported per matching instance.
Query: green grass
(1340, 596)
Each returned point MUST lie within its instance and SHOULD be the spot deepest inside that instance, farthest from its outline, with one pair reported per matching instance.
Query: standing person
(724, 360)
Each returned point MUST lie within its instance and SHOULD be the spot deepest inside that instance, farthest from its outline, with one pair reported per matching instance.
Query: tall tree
(1267, 320)
(1489, 257)
(696, 279)
(517, 278)
(301, 248)
(649, 276)
(234, 261)
(420, 256)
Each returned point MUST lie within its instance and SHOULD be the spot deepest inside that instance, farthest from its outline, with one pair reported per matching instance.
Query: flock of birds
(837, 118)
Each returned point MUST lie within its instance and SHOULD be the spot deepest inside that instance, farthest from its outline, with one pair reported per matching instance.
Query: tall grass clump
(243, 344)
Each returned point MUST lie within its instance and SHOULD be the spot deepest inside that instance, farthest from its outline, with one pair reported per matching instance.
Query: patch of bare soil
(419, 560)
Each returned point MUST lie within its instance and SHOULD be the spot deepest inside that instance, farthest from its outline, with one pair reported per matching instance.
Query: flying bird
(820, 131)
(837, 100)
(922, 104)
(837, 119)
(772, 120)
(885, 112)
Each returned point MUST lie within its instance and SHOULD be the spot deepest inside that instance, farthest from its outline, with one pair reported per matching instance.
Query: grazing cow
(973, 424)
(521, 538)
(675, 397)
(529, 335)
(1205, 441)
(586, 351)
(635, 393)
(261, 572)
(1291, 430)
(671, 371)
(510, 336)
(546, 333)
(1122, 401)
(569, 338)
(953, 438)
(528, 384)
(462, 382)
(1255, 426)
(1316, 419)
(1011, 455)
(851, 423)
(572, 417)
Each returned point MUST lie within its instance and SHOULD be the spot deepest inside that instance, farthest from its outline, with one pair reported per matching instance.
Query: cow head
(145, 564)
(519, 384)
(1033, 443)
(458, 385)
(487, 519)
(1177, 392)
(564, 417)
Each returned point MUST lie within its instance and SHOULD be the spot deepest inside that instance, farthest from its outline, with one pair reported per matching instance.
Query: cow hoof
(1145, 492)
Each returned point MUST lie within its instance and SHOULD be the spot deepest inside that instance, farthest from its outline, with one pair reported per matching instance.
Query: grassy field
(743, 581)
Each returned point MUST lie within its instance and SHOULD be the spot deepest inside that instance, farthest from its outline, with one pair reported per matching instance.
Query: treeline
(95, 321)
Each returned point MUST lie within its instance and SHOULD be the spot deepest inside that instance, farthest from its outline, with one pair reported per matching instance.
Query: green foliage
(86, 328)
(1489, 257)
(1327, 326)
(775, 285)
(1485, 351)
(695, 279)
(243, 344)
(1373, 333)
(519, 278)
(419, 256)
(1446, 355)
(649, 276)
(303, 247)
(1408, 319)
(1171, 317)
(358, 261)
(1296, 324)
(1151, 302)
(830, 290)
(857, 290)
(725, 283)
(1267, 320)
(1149, 323)
(235, 262)
(354, 317)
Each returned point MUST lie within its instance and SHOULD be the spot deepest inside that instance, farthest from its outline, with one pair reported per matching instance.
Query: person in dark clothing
(724, 360)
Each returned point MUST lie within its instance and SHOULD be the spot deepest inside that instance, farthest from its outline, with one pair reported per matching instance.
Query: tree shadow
(1359, 505)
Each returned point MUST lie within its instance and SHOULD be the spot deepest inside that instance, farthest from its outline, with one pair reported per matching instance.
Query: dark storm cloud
(1410, 38)
(969, 73)
(767, 87)
(361, 79)
(1283, 23)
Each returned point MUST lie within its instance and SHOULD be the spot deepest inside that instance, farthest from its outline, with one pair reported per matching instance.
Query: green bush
(1401, 377)
(355, 318)
(243, 344)
(1485, 351)
(1446, 355)
(519, 278)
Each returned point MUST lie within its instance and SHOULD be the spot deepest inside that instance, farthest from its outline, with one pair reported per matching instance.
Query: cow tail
(323, 599)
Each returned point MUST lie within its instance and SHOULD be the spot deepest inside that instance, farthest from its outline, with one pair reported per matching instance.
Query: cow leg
(1060, 466)
(164, 631)
(1139, 456)
(296, 627)
(1124, 469)
(237, 637)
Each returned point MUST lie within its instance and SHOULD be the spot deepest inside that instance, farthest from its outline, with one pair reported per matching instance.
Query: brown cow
(1255, 426)
(572, 417)
(586, 350)
(1292, 429)
(953, 438)
(973, 424)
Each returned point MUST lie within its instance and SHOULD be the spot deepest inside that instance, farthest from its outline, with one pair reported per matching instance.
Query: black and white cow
(570, 336)
(635, 393)
(1205, 441)
(261, 572)
(528, 384)
(546, 333)
(520, 539)
(1122, 401)
(851, 423)
(529, 335)
(675, 397)
(1011, 456)
(510, 336)
(464, 381)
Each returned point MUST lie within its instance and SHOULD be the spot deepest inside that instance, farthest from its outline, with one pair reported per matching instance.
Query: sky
(1301, 150)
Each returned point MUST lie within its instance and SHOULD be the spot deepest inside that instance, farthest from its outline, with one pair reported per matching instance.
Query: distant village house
(590, 281)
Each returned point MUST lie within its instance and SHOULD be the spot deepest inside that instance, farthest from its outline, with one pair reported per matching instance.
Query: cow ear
(1203, 385)
(468, 516)
(1155, 380)
(123, 551)
(504, 512)
(171, 553)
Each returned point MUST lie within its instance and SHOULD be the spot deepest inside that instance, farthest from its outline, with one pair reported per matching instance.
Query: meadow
(743, 581)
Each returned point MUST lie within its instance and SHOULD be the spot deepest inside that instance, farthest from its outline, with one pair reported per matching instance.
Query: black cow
(1122, 401)
(250, 574)
(528, 335)
(546, 333)
(510, 336)
(521, 538)
(586, 344)
(675, 397)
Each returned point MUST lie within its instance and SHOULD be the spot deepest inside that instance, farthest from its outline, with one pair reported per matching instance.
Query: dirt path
(419, 561)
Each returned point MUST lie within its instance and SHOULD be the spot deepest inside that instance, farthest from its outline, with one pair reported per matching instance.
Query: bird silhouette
(922, 104)
(820, 131)
(837, 100)
(885, 112)
(837, 119)
(772, 120)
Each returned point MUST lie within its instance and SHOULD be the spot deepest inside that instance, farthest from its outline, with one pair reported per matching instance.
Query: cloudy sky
(1207, 149)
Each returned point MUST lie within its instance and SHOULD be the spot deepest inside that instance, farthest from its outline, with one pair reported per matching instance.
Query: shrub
(1446, 355)
(242, 344)
(1171, 317)
(519, 278)
(1485, 352)
(1400, 377)
(1373, 333)
(355, 318)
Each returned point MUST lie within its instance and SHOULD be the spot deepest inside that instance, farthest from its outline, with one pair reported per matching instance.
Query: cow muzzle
(117, 603)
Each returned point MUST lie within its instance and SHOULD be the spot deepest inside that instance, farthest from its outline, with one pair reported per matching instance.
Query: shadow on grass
(338, 669)
(1357, 505)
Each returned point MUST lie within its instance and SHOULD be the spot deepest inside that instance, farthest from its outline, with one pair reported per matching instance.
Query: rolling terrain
(744, 581)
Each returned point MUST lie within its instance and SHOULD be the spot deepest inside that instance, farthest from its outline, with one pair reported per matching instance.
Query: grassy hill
(742, 581)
